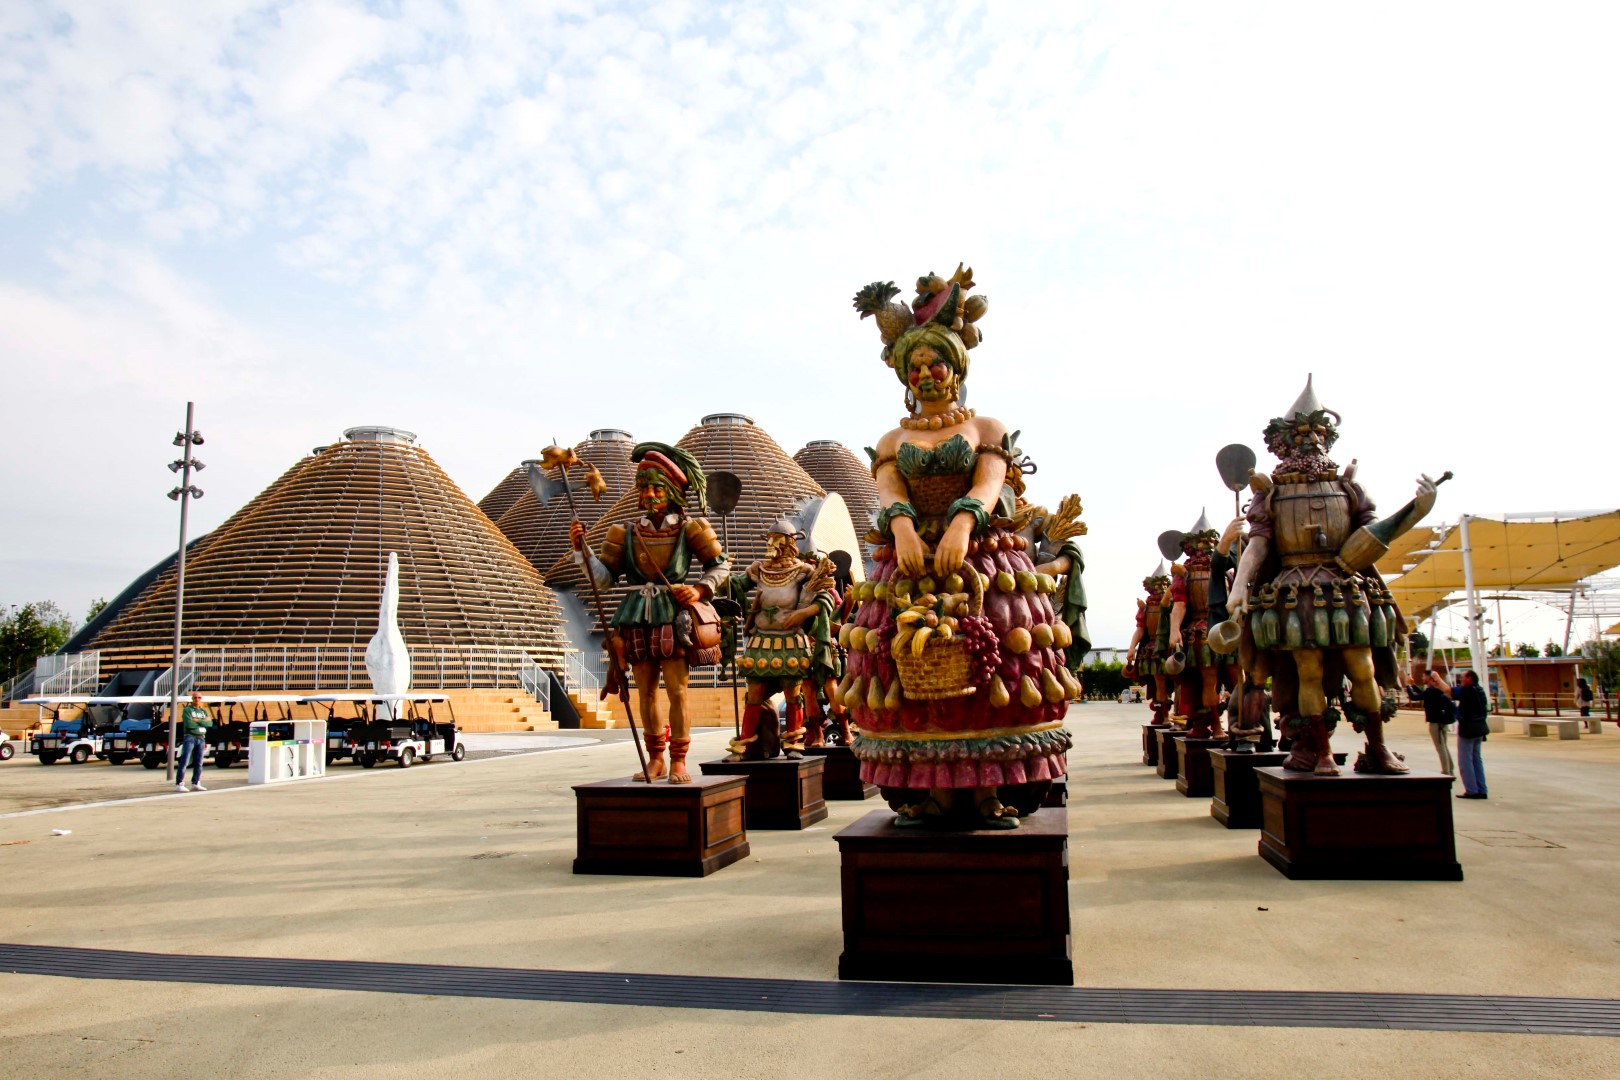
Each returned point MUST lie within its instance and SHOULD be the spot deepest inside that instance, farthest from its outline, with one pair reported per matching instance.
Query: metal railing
(578, 677)
(19, 685)
(75, 673)
(164, 684)
(1552, 704)
(535, 680)
(269, 669)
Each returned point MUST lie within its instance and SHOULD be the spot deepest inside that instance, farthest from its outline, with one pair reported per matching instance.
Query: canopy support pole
(1569, 622)
(1476, 645)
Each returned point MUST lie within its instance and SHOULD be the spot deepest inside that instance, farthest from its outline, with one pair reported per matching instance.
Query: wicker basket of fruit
(932, 646)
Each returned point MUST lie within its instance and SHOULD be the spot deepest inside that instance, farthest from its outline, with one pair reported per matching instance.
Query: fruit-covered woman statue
(957, 676)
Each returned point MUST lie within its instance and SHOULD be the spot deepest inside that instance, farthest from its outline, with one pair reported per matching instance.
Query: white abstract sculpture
(388, 662)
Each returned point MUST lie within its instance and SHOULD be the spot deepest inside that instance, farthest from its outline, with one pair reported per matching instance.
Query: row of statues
(1301, 624)
(949, 670)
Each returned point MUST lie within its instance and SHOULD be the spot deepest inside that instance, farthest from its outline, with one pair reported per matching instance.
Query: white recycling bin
(282, 750)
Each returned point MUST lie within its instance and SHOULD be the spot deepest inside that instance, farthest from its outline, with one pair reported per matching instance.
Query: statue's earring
(961, 391)
(911, 402)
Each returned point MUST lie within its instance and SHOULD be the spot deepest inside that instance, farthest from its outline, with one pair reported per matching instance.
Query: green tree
(1417, 643)
(1552, 648)
(1524, 648)
(97, 606)
(1601, 660)
(28, 632)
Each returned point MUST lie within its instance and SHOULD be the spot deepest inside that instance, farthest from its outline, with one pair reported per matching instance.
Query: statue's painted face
(781, 546)
(929, 376)
(1198, 545)
(655, 495)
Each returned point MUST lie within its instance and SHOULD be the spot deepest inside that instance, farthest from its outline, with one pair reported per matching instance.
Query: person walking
(1472, 730)
(1584, 698)
(1441, 714)
(195, 720)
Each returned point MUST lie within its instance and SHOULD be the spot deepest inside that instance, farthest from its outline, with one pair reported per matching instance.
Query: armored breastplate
(776, 602)
(1310, 521)
(652, 551)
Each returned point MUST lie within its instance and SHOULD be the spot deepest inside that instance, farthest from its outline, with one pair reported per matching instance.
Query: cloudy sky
(493, 223)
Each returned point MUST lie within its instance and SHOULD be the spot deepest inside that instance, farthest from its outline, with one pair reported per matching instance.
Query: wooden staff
(616, 680)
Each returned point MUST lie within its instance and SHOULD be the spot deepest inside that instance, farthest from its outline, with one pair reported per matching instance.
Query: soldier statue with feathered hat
(664, 626)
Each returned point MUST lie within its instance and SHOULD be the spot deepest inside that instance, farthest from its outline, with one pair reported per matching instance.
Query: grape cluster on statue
(789, 597)
(1146, 662)
(957, 674)
(1314, 614)
(664, 627)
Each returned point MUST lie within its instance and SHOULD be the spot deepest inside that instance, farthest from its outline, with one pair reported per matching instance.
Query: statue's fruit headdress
(943, 315)
(1305, 412)
(1157, 581)
(677, 466)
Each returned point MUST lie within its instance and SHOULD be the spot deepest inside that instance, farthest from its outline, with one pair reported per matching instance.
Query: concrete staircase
(499, 710)
(594, 713)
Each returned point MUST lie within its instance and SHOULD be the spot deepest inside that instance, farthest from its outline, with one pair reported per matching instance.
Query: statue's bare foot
(654, 771)
(994, 815)
(1326, 766)
(678, 774)
(1301, 758)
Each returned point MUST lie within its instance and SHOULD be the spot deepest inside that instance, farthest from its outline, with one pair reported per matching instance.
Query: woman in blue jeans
(1472, 729)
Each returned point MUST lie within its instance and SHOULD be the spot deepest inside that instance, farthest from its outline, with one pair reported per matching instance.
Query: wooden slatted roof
(772, 483)
(831, 464)
(540, 533)
(303, 564)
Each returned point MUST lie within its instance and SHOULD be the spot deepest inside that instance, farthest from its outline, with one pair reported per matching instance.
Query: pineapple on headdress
(939, 300)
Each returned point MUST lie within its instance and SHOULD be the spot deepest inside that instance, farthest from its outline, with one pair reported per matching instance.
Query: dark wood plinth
(842, 779)
(988, 906)
(1236, 801)
(1193, 778)
(783, 793)
(1150, 743)
(671, 830)
(1058, 794)
(1167, 751)
(1355, 826)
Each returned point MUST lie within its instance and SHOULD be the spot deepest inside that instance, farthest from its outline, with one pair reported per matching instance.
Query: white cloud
(476, 209)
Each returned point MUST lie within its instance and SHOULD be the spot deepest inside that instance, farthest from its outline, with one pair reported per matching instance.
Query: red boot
(750, 733)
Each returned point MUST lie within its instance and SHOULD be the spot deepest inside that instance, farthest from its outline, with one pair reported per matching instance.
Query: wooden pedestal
(1236, 801)
(1058, 794)
(1167, 751)
(783, 793)
(1150, 743)
(673, 830)
(1193, 777)
(842, 778)
(1354, 826)
(989, 906)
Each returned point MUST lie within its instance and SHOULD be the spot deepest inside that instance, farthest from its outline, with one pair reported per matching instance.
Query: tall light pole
(184, 494)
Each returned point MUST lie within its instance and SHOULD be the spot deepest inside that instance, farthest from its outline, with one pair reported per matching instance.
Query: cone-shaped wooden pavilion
(501, 497)
(772, 484)
(540, 533)
(294, 578)
(830, 463)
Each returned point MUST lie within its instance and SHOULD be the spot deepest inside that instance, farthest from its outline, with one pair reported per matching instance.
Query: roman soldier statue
(664, 626)
(1313, 612)
(789, 596)
(1204, 673)
(1146, 665)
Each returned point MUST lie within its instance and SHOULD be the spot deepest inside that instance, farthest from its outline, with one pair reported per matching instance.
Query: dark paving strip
(1225, 1008)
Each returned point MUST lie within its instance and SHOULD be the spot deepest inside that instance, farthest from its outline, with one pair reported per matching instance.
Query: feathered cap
(676, 465)
(942, 315)
(1306, 410)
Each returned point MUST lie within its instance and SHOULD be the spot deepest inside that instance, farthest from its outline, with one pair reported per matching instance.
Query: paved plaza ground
(469, 864)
